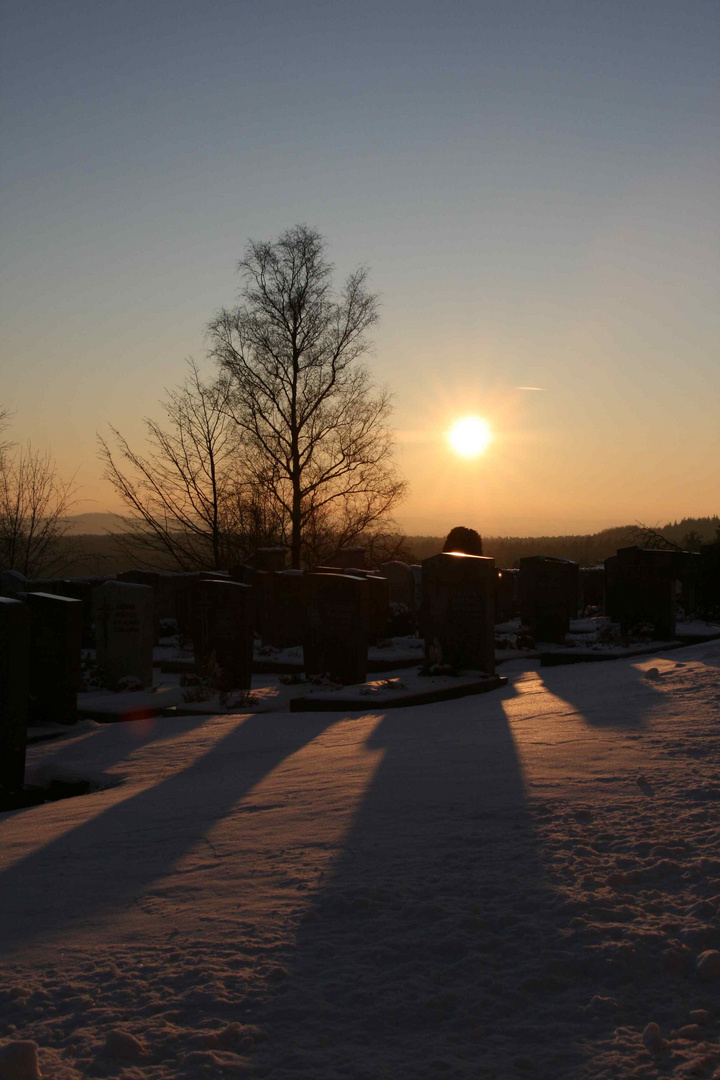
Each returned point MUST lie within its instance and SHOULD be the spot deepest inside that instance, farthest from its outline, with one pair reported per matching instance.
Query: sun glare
(469, 436)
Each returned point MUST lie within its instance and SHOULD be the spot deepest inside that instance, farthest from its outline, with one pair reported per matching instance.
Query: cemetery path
(511, 885)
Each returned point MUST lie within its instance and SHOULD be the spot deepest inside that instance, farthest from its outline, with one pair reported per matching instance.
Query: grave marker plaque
(14, 655)
(549, 593)
(458, 611)
(337, 627)
(55, 648)
(123, 616)
(223, 630)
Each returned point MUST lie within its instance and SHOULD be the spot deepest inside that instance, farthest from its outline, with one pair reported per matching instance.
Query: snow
(520, 884)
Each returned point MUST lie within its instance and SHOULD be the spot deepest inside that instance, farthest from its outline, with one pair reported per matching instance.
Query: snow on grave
(124, 631)
(458, 612)
(14, 657)
(55, 647)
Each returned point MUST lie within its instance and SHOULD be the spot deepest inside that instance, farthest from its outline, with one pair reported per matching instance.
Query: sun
(469, 436)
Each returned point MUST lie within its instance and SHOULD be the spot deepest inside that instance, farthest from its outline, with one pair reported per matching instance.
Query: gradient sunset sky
(533, 184)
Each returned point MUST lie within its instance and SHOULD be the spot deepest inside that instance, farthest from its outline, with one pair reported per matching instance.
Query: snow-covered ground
(520, 884)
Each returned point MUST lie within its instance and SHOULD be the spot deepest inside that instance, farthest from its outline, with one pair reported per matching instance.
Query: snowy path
(513, 885)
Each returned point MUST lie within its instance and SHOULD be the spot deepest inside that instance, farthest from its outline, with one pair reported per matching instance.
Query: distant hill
(91, 547)
(92, 524)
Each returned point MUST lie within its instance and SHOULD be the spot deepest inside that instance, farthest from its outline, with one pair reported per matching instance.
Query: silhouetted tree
(191, 506)
(34, 502)
(315, 429)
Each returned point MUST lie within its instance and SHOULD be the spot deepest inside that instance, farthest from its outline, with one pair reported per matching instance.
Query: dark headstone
(458, 611)
(14, 654)
(223, 630)
(270, 559)
(55, 652)
(124, 621)
(337, 627)
(709, 588)
(347, 557)
(592, 587)
(507, 595)
(286, 624)
(549, 594)
(646, 589)
(401, 583)
(378, 603)
(12, 582)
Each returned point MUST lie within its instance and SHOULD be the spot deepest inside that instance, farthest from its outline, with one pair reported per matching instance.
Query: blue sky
(533, 185)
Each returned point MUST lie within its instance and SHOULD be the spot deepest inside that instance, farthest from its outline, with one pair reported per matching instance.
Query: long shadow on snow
(585, 687)
(438, 947)
(105, 863)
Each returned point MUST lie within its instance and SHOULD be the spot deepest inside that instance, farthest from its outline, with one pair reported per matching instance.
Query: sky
(532, 183)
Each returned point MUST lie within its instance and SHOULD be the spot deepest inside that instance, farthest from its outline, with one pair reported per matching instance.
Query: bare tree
(34, 502)
(314, 428)
(190, 507)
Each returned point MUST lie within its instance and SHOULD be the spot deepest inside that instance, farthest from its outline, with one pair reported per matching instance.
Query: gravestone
(123, 617)
(336, 631)
(55, 652)
(286, 624)
(458, 611)
(223, 630)
(270, 559)
(646, 589)
(611, 594)
(348, 557)
(14, 655)
(709, 587)
(549, 594)
(401, 583)
(592, 587)
(378, 603)
(507, 604)
(12, 582)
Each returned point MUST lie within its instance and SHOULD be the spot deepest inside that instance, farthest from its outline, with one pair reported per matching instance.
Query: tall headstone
(223, 630)
(458, 611)
(507, 603)
(55, 651)
(336, 631)
(378, 603)
(612, 598)
(549, 596)
(592, 587)
(14, 653)
(124, 630)
(401, 583)
(709, 587)
(646, 589)
(286, 624)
